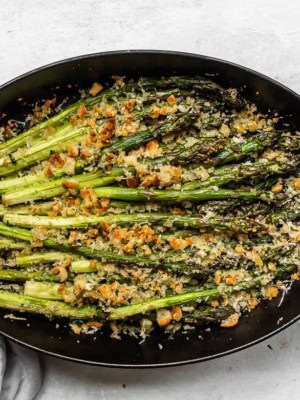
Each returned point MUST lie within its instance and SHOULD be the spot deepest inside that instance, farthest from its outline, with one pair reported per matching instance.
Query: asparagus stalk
(182, 154)
(26, 157)
(175, 196)
(184, 221)
(197, 296)
(41, 258)
(53, 291)
(288, 142)
(83, 266)
(41, 208)
(15, 233)
(12, 287)
(17, 183)
(45, 290)
(206, 315)
(103, 256)
(18, 302)
(20, 276)
(12, 184)
(235, 152)
(9, 244)
(172, 125)
(198, 84)
(56, 188)
(239, 172)
(292, 214)
(56, 121)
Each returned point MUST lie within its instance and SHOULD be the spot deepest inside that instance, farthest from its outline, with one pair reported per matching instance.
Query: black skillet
(54, 337)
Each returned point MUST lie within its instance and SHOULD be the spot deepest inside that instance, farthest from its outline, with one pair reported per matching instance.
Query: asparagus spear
(59, 186)
(220, 207)
(172, 125)
(103, 256)
(185, 221)
(235, 152)
(198, 84)
(206, 315)
(198, 296)
(239, 172)
(227, 155)
(288, 142)
(41, 150)
(41, 258)
(53, 291)
(56, 121)
(45, 290)
(15, 233)
(12, 287)
(20, 276)
(292, 214)
(20, 182)
(12, 184)
(83, 266)
(41, 208)
(182, 154)
(18, 302)
(175, 196)
(8, 244)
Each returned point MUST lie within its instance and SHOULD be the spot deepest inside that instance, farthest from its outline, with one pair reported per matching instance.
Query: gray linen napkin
(20, 372)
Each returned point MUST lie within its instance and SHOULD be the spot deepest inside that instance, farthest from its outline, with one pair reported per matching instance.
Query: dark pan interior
(54, 337)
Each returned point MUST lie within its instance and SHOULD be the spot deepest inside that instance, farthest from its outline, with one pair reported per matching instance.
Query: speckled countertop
(263, 35)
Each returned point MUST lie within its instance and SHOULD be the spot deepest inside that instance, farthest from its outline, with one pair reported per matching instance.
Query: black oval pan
(54, 337)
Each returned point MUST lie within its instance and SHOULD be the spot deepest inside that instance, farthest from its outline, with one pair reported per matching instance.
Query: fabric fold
(20, 372)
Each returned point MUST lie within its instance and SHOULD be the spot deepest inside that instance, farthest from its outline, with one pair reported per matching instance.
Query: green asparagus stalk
(56, 121)
(292, 214)
(84, 266)
(20, 276)
(206, 315)
(41, 150)
(288, 142)
(41, 208)
(172, 125)
(42, 258)
(10, 184)
(12, 287)
(17, 183)
(18, 302)
(103, 256)
(45, 290)
(15, 233)
(181, 154)
(56, 188)
(175, 196)
(53, 291)
(184, 221)
(37, 131)
(198, 84)
(9, 244)
(235, 152)
(239, 172)
(197, 296)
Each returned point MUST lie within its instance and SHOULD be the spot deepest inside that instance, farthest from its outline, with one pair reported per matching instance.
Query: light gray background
(261, 34)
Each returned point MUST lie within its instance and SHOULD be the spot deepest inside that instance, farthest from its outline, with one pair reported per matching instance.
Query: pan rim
(154, 365)
(150, 51)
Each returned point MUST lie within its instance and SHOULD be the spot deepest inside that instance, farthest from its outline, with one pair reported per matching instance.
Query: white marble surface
(263, 35)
